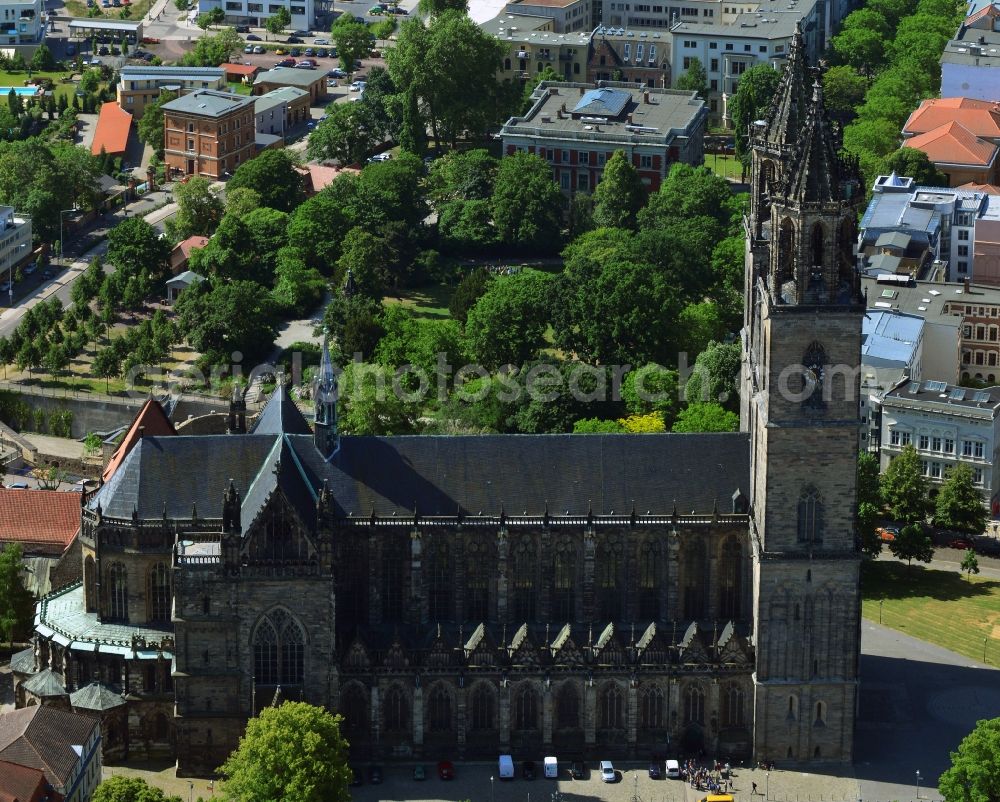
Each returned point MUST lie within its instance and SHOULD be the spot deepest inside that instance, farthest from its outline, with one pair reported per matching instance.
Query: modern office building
(138, 86)
(303, 12)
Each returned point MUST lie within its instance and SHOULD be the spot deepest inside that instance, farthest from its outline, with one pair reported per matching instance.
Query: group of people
(715, 779)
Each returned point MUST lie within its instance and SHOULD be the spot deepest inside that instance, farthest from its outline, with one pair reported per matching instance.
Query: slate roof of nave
(426, 474)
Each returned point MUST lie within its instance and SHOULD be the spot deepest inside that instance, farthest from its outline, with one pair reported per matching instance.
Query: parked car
(306, 64)
(321, 41)
(286, 62)
(358, 19)
(528, 769)
(30, 268)
(381, 157)
(358, 86)
(356, 777)
(578, 771)
(321, 52)
(248, 49)
(419, 772)
(302, 33)
(401, 11)
(309, 52)
(104, 52)
(957, 543)
(375, 775)
(258, 50)
(336, 72)
(5, 287)
(608, 772)
(252, 37)
(654, 770)
(294, 40)
(295, 52)
(673, 769)
(242, 29)
(70, 50)
(446, 770)
(885, 535)
(376, 11)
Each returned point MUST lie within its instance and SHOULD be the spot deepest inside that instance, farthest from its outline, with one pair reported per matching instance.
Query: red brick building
(208, 133)
(578, 127)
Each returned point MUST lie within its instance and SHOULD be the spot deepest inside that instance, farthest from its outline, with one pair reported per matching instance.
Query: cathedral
(588, 596)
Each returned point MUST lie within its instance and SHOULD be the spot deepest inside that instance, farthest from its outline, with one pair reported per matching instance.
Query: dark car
(294, 40)
(302, 33)
(321, 52)
(309, 52)
(654, 771)
(375, 775)
(528, 769)
(419, 772)
(356, 778)
(286, 62)
(336, 72)
(446, 770)
(253, 38)
(579, 770)
(295, 52)
(242, 29)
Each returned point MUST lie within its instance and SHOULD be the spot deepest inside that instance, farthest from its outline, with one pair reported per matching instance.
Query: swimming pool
(24, 91)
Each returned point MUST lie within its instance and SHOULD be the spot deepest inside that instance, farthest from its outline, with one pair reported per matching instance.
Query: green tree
(904, 488)
(241, 201)
(42, 59)
(316, 229)
(353, 325)
(370, 405)
(527, 101)
(912, 543)
(974, 774)
(754, 93)
(708, 417)
(466, 227)
(959, 505)
(370, 259)
(506, 324)
(213, 50)
(715, 377)
(298, 288)
(869, 503)
(380, 106)
(129, 789)
(462, 175)
(342, 136)
(526, 204)
(226, 317)
(291, 753)
(620, 195)
(860, 48)
(843, 91)
(434, 8)
(271, 175)
(595, 426)
(278, 21)
(700, 324)
(16, 602)
(915, 164)
(135, 247)
(150, 125)
(652, 388)
(199, 210)
(693, 79)
(352, 40)
(470, 289)
(970, 563)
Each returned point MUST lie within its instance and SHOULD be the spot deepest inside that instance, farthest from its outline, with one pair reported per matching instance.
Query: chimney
(966, 286)
(142, 429)
(559, 113)
(553, 90)
(630, 119)
(645, 97)
(562, 108)
(581, 90)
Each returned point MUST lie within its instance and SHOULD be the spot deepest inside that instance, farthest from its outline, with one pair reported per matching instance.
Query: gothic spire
(815, 176)
(788, 107)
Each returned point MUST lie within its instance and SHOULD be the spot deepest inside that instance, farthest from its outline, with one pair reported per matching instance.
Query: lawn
(724, 165)
(58, 88)
(941, 607)
(240, 88)
(430, 301)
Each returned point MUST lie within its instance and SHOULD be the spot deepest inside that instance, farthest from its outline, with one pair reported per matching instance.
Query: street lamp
(767, 785)
(491, 788)
(985, 641)
(62, 242)
(918, 783)
(880, 601)
(190, 791)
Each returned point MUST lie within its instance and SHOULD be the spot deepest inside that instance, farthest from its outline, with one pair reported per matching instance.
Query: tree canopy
(959, 505)
(291, 753)
(912, 543)
(694, 78)
(17, 605)
(506, 324)
(620, 195)
(753, 97)
(526, 204)
(974, 774)
(273, 177)
(904, 488)
(129, 789)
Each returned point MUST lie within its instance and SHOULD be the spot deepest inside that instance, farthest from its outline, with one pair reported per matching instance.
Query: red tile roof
(953, 143)
(42, 521)
(186, 246)
(983, 13)
(239, 69)
(319, 176)
(113, 126)
(989, 189)
(44, 738)
(981, 117)
(21, 783)
(153, 421)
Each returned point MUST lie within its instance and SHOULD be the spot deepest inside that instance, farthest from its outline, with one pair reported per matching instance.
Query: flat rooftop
(602, 111)
(943, 393)
(208, 103)
(774, 23)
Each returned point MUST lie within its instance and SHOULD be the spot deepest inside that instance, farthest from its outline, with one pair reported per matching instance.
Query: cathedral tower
(326, 436)
(800, 406)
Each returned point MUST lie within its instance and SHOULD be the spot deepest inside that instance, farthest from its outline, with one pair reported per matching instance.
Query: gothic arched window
(477, 580)
(526, 709)
(810, 527)
(695, 578)
(816, 242)
(651, 708)
(694, 705)
(439, 709)
(395, 556)
(279, 650)
(786, 253)
(90, 584)
(396, 711)
(568, 707)
(564, 568)
(440, 581)
(609, 580)
(117, 592)
(733, 704)
(523, 565)
(483, 708)
(731, 580)
(612, 708)
(159, 593)
(649, 573)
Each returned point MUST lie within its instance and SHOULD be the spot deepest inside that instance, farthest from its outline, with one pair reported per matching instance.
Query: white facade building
(947, 425)
(15, 245)
(21, 23)
(256, 12)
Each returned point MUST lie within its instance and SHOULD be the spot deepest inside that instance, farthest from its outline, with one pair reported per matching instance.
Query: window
(977, 476)
(949, 446)
(963, 250)
(601, 158)
(396, 711)
(583, 182)
(763, 48)
(713, 45)
(731, 580)
(923, 442)
(694, 706)
(568, 707)
(477, 581)
(279, 650)
(652, 708)
(394, 559)
(733, 706)
(935, 444)
(966, 448)
(649, 594)
(978, 450)
(628, 54)
(646, 162)
(935, 470)
(963, 267)
(925, 468)
(523, 566)
(439, 709)
(638, 51)
(483, 708)
(714, 65)
(440, 581)
(565, 157)
(117, 592)
(905, 438)
(526, 709)
(810, 528)
(747, 48)
(713, 85)
(564, 181)
(612, 709)
(159, 593)
(562, 581)
(608, 569)
(729, 46)
(963, 235)
(584, 157)
(687, 60)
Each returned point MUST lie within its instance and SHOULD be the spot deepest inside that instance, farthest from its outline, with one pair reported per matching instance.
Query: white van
(673, 770)
(506, 767)
(551, 768)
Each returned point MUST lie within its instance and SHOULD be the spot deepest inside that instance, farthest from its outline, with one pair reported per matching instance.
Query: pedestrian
(754, 789)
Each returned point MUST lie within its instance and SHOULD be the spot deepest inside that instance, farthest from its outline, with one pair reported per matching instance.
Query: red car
(446, 770)
(958, 543)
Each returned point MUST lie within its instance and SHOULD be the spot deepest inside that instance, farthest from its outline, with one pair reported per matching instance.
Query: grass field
(941, 607)
(58, 88)
(724, 165)
(430, 301)
(240, 88)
